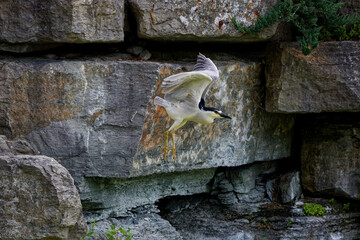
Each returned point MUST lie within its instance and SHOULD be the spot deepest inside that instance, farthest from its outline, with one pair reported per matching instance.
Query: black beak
(224, 115)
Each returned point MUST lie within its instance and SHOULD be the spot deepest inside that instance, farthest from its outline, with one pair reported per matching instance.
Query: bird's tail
(161, 102)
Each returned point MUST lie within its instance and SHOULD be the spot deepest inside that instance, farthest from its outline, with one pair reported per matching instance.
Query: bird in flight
(184, 98)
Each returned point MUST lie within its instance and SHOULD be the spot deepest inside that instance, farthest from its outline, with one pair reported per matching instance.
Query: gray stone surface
(205, 20)
(17, 146)
(330, 156)
(97, 117)
(243, 184)
(284, 188)
(148, 226)
(38, 200)
(58, 21)
(251, 135)
(210, 220)
(107, 197)
(290, 187)
(328, 80)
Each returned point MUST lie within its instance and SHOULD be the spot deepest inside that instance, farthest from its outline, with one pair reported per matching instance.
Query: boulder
(98, 119)
(328, 80)
(38, 200)
(330, 156)
(36, 22)
(199, 20)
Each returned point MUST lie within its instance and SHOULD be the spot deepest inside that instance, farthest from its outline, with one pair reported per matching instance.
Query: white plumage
(184, 98)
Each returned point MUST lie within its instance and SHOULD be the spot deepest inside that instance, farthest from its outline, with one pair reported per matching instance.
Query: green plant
(118, 234)
(91, 229)
(346, 207)
(265, 221)
(313, 209)
(332, 201)
(288, 224)
(309, 17)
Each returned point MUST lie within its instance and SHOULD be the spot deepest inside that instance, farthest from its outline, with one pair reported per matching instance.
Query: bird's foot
(166, 149)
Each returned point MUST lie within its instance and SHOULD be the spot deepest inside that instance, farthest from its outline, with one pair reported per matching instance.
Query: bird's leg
(173, 143)
(166, 145)
(166, 149)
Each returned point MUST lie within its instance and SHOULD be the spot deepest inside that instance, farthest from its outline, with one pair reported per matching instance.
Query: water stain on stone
(38, 98)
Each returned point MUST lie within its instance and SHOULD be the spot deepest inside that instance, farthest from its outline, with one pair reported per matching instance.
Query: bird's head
(216, 113)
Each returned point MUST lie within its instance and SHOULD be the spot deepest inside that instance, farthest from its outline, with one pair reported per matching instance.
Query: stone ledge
(328, 80)
(199, 20)
(98, 119)
(62, 21)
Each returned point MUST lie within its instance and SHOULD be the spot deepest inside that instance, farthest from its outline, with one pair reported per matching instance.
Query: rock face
(330, 156)
(207, 219)
(98, 117)
(199, 20)
(328, 80)
(59, 21)
(243, 184)
(251, 135)
(38, 200)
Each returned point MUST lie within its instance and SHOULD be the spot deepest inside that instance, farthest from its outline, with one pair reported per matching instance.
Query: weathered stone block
(58, 21)
(330, 156)
(243, 184)
(206, 20)
(290, 187)
(328, 80)
(97, 118)
(104, 197)
(38, 200)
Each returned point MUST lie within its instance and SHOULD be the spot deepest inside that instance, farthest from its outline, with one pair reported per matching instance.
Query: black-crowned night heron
(185, 98)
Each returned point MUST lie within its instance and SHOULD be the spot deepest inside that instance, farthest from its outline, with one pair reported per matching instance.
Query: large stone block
(328, 80)
(330, 156)
(38, 200)
(58, 21)
(98, 119)
(206, 20)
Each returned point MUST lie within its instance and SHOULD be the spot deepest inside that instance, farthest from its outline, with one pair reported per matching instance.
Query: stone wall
(79, 128)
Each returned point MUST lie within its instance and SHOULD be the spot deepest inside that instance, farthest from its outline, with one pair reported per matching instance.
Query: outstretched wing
(206, 66)
(186, 87)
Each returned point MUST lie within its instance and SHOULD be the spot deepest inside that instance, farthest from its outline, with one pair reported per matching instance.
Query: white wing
(206, 66)
(186, 87)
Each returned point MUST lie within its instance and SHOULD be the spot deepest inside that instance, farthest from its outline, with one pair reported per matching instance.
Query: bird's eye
(217, 112)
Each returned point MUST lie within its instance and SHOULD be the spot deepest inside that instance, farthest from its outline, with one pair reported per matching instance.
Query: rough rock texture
(328, 80)
(18, 146)
(144, 226)
(206, 219)
(243, 184)
(290, 188)
(104, 197)
(251, 135)
(97, 118)
(330, 156)
(205, 20)
(38, 200)
(59, 21)
(285, 188)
